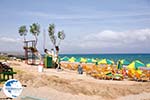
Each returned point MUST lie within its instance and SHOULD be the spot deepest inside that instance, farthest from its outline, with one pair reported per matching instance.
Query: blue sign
(12, 88)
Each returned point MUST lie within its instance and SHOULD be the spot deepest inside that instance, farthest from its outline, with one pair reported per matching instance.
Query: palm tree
(35, 30)
(51, 31)
(23, 31)
(61, 36)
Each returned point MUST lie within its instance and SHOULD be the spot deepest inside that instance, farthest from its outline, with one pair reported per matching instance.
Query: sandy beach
(75, 49)
(68, 85)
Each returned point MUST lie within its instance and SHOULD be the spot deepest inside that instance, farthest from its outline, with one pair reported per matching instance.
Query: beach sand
(68, 85)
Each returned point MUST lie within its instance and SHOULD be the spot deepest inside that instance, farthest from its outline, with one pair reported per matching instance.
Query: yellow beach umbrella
(83, 60)
(72, 59)
(148, 65)
(139, 71)
(135, 65)
(133, 71)
(106, 61)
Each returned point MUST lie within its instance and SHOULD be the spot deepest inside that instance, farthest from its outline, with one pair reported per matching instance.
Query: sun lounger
(144, 77)
(118, 77)
(108, 75)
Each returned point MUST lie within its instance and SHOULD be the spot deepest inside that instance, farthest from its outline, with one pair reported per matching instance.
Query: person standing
(119, 66)
(48, 52)
(80, 69)
(53, 55)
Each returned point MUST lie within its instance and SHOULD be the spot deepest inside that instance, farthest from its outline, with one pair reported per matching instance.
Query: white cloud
(133, 40)
(120, 38)
(9, 40)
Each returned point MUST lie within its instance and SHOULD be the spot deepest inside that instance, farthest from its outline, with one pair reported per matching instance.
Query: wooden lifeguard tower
(29, 55)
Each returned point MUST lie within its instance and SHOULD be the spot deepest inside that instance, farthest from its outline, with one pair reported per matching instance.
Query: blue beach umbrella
(124, 62)
(64, 58)
(89, 60)
(81, 59)
(78, 59)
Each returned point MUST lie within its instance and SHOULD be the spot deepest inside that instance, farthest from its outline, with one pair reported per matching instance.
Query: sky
(91, 26)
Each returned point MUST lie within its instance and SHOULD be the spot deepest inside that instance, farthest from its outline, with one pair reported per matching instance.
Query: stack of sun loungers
(110, 72)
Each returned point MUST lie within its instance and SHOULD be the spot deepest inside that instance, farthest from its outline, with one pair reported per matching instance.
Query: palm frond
(22, 30)
(51, 29)
(61, 35)
(35, 29)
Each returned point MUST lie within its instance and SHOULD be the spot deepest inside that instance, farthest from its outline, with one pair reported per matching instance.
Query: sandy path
(68, 85)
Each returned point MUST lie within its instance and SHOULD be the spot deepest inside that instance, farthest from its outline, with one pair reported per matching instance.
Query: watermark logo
(12, 88)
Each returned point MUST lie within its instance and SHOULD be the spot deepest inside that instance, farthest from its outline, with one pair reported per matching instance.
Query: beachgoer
(96, 63)
(51, 53)
(119, 66)
(57, 64)
(80, 69)
(57, 50)
(124, 72)
(48, 52)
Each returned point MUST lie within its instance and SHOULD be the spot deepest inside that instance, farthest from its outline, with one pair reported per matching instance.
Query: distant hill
(12, 53)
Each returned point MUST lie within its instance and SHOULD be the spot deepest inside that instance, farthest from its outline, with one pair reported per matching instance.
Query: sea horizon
(16, 52)
(144, 57)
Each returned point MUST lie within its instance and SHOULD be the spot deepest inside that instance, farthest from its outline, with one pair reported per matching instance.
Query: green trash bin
(48, 63)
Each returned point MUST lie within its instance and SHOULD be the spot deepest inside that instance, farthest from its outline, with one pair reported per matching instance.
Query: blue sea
(145, 58)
